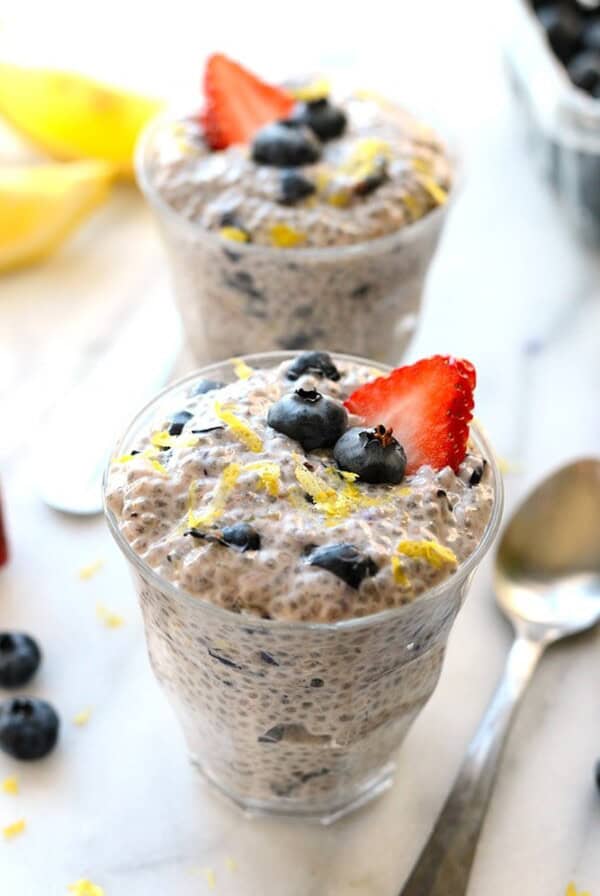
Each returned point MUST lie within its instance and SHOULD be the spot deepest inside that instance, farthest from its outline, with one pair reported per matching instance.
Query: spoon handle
(444, 866)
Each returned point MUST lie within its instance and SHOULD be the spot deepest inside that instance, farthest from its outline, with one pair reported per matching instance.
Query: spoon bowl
(547, 575)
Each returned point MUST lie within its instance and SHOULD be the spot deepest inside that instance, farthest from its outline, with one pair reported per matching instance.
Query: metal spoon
(547, 582)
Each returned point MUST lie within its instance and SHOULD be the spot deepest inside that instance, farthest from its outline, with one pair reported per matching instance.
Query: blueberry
(20, 657)
(345, 561)
(285, 146)
(308, 417)
(295, 186)
(563, 27)
(597, 774)
(204, 386)
(28, 727)
(243, 536)
(584, 71)
(178, 421)
(326, 120)
(374, 454)
(317, 363)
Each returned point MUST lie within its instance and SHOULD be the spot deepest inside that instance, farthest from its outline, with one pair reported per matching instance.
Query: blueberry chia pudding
(302, 529)
(293, 211)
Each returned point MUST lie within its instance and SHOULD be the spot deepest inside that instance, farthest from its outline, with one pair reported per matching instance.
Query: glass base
(295, 810)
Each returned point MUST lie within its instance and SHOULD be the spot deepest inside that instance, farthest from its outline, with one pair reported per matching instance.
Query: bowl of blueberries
(553, 61)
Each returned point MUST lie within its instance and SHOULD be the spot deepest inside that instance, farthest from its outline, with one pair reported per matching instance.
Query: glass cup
(236, 298)
(294, 718)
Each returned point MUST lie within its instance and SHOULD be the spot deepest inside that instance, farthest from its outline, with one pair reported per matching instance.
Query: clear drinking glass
(294, 718)
(236, 298)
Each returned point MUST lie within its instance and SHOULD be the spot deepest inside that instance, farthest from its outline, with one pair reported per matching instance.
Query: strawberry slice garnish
(238, 103)
(428, 405)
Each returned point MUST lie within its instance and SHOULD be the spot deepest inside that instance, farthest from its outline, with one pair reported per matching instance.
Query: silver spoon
(547, 581)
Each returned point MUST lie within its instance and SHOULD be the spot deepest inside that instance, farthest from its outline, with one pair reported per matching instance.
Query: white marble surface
(118, 802)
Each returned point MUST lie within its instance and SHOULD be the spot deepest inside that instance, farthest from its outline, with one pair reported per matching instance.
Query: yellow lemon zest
(400, 577)
(242, 370)
(157, 466)
(11, 830)
(336, 505)
(124, 458)
(268, 475)
(365, 151)
(432, 552)
(89, 571)
(163, 439)
(573, 891)
(83, 717)
(10, 785)
(229, 477)
(437, 193)
(231, 863)
(150, 454)
(319, 89)
(85, 888)
(339, 198)
(234, 233)
(423, 166)
(240, 430)
(106, 616)
(345, 474)
(285, 237)
(322, 179)
(210, 878)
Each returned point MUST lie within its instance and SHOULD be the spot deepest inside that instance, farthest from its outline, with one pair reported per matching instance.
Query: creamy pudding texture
(281, 715)
(384, 172)
(176, 500)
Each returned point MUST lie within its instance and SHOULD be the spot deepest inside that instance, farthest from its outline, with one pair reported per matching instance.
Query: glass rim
(229, 616)
(407, 234)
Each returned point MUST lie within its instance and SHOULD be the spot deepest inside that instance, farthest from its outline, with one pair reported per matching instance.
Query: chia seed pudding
(295, 614)
(320, 245)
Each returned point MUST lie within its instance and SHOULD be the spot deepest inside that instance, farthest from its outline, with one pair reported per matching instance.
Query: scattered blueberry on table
(20, 658)
(28, 727)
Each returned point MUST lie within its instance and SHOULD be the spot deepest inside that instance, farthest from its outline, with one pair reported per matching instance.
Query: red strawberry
(428, 405)
(238, 103)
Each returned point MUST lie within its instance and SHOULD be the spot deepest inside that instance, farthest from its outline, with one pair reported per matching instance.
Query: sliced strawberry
(428, 405)
(238, 103)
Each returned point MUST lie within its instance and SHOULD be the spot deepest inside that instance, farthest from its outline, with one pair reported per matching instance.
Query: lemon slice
(41, 204)
(72, 117)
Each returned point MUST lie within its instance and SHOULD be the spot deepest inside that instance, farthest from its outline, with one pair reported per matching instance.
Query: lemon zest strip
(83, 717)
(434, 553)
(234, 233)
(242, 370)
(17, 827)
(10, 785)
(285, 237)
(268, 475)
(240, 430)
(229, 477)
(110, 619)
(89, 571)
(85, 888)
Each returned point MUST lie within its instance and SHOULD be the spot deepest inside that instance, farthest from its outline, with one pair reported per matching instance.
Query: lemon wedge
(72, 117)
(41, 204)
